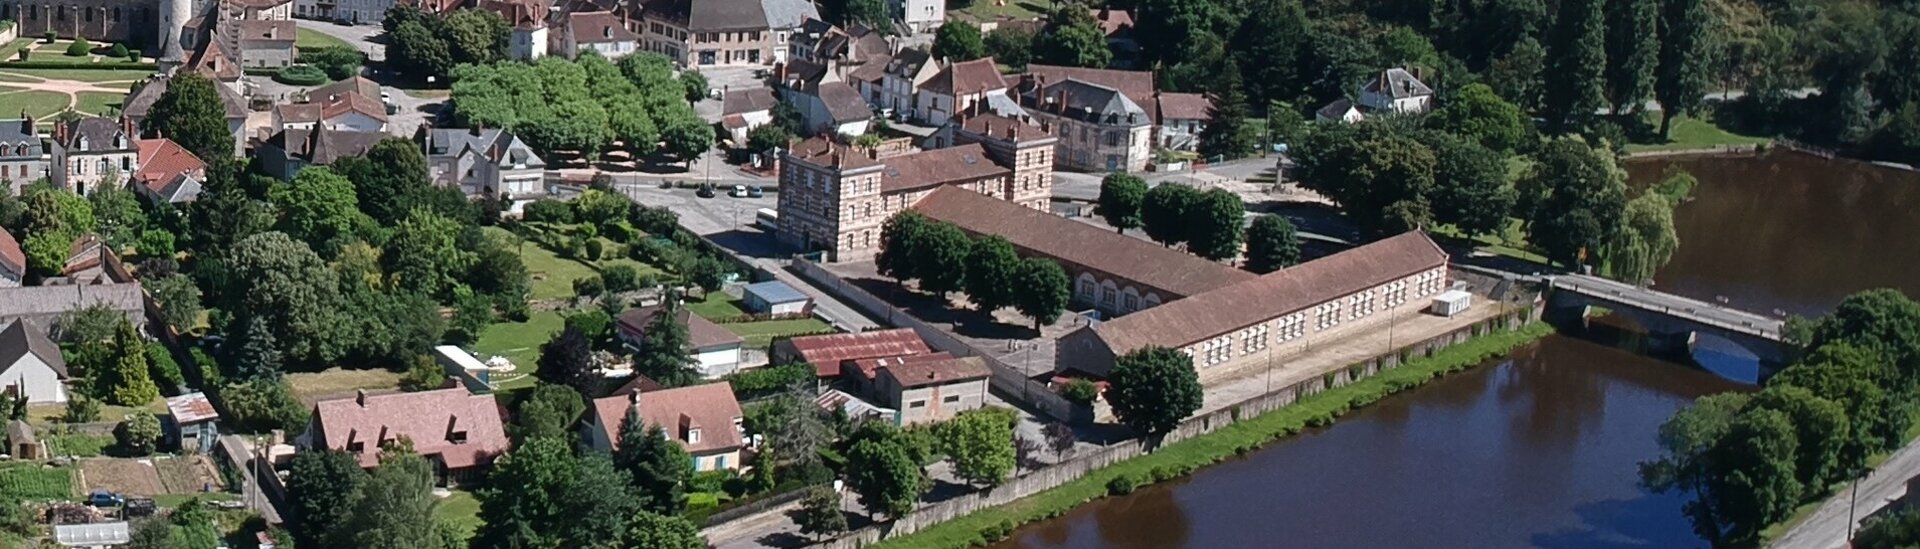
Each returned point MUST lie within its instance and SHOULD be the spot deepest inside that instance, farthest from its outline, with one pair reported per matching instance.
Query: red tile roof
(705, 333)
(353, 102)
(1173, 272)
(161, 160)
(710, 408)
(1112, 22)
(1185, 106)
(979, 75)
(11, 256)
(1187, 321)
(870, 367)
(428, 418)
(921, 373)
(938, 167)
(595, 27)
(825, 352)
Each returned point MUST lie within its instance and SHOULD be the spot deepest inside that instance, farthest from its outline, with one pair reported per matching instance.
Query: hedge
(79, 48)
(84, 65)
(301, 75)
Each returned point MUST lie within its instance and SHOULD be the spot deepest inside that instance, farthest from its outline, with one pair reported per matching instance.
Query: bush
(997, 532)
(166, 371)
(81, 409)
(133, 56)
(594, 249)
(550, 211)
(619, 278)
(49, 37)
(759, 382)
(301, 75)
(1123, 484)
(1080, 391)
(588, 286)
(339, 63)
(118, 50)
(139, 433)
(709, 481)
(79, 48)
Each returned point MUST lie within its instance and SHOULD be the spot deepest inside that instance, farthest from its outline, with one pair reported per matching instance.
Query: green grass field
(31, 481)
(334, 382)
(984, 10)
(1693, 133)
(309, 38)
(78, 444)
(519, 341)
(461, 511)
(553, 275)
(716, 305)
(124, 76)
(760, 334)
(99, 103)
(35, 103)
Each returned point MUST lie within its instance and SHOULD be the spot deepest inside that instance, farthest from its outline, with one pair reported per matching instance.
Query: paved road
(1699, 311)
(1826, 528)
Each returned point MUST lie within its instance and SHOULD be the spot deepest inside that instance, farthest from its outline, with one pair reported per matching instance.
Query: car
(104, 498)
(706, 191)
(755, 192)
(739, 191)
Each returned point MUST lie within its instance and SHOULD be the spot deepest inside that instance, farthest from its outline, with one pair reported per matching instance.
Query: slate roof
(711, 408)
(191, 408)
(1184, 322)
(496, 145)
(747, 100)
(1185, 106)
(1082, 100)
(322, 146)
(141, 101)
(12, 258)
(966, 77)
(1166, 270)
(784, 14)
(825, 352)
(256, 33)
(843, 103)
(18, 340)
(922, 373)
(47, 301)
(428, 418)
(705, 333)
(938, 167)
(1138, 85)
(99, 133)
(999, 126)
(19, 131)
(1337, 110)
(1400, 84)
(907, 62)
(712, 15)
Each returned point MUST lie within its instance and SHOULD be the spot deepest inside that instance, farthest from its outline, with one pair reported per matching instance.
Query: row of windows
(86, 14)
(1327, 315)
(79, 167)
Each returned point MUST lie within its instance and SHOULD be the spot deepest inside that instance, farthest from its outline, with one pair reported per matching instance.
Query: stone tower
(174, 15)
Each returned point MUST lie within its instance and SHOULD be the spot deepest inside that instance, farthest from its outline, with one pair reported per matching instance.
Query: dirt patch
(187, 475)
(148, 476)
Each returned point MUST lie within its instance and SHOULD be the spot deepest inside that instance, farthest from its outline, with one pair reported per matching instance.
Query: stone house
(1397, 91)
(710, 32)
(87, 150)
(957, 86)
(923, 388)
(168, 172)
(23, 154)
(600, 31)
(1182, 117)
(285, 153)
(483, 162)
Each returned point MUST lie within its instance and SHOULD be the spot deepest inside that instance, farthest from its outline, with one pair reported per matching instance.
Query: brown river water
(1541, 449)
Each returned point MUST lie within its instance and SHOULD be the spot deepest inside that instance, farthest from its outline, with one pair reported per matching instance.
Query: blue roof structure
(774, 291)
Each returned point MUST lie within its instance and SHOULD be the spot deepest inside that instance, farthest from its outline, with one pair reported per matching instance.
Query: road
(1826, 528)
(1725, 317)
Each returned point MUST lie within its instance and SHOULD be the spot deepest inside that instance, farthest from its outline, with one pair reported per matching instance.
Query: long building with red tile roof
(459, 431)
(826, 352)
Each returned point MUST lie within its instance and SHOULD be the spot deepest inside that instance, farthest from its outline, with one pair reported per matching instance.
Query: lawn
(553, 275)
(984, 10)
(518, 341)
(335, 382)
(83, 75)
(309, 38)
(1512, 244)
(11, 50)
(461, 511)
(716, 305)
(44, 415)
(169, 501)
(35, 103)
(78, 444)
(100, 103)
(1693, 133)
(760, 334)
(31, 481)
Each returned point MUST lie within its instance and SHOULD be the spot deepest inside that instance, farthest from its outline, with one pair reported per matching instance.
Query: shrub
(165, 370)
(709, 481)
(1123, 484)
(139, 433)
(301, 75)
(588, 286)
(1080, 391)
(619, 278)
(760, 382)
(133, 56)
(79, 48)
(49, 37)
(81, 409)
(594, 249)
(997, 532)
(118, 50)
(549, 210)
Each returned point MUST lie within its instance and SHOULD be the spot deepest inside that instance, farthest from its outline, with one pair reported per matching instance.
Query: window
(917, 404)
(356, 446)
(951, 399)
(693, 435)
(457, 437)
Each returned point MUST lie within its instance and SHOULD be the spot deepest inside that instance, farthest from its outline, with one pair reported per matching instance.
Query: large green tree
(1646, 241)
(820, 512)
(476, 36)
(660, 468)
(390, 180)
(1267, 45)
(666, 350)
(980, 445)
(1042, 290)
(128, 382)
(1471, 190)
(190, 113)
(1576, 64)
(1574, 198)
(648, 529)
(395, 509)
(1685, 466)
(318, 208)
(1215, 222)
(1152, 389)
(1272, 244)
(1072, 38)
(993, 270)
(1164, 213)
(940, 259)
(567, 359)
(423, 255)
(417, 53)
(1227, 134)
(1754, 484)
(900, 237)
(1633, 50)
(322, 488)
(282, 283)
(1476, 112)
(542, 495)
(885, 475)
(1380, 177)
(1687, 46)
(1120, 199)
(960, 41)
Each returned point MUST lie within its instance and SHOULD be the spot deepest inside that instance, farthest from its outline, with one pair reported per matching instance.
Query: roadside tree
(1153, 389)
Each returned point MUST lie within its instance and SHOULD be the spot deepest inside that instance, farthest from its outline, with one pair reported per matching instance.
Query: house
(87, 259)
(827, 352)
(527, 18)
(265, 43)
(600, 31)
(21, 443)
(1117, 25)
(1101, 129)
(40, 306)
(832, 108)
(955, 87)
(98, 535)
(1340, 110)
(709, 32)
(704, 419)
(743, 110)
(286, 152)
(1182, 117)
(777, 298)
(784, 18)
(900, 79)
(23, 154)
(31, 364)
(192, 424)
(716, 350)
(1234, 325)
(461, 365)
(930, 388)
(1397, 91)
(458, 431)
(169, 173)
(351, 12)
(918, 16)
(343, 111)
(140, 103)
(483, 162)
(87, 150)
(13, 261)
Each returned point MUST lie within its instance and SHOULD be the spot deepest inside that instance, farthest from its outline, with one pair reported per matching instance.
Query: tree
(424, 255)
(992, 272)
(659, 466)
(686, 136)
(542, 495)
(1072, 38)
(1152, 389)
(1060, 440)
(47, 252)
(1227, 134)
(318, 208)
(1632, 50)
(418, 52)
(548, 411)
(1164, 213)
(872, 13)
(1573, 199)
(283, 284)
(980, 445)
(1684, 465)
(579, 125)
(940, 259)
(1900, 528)
(633, 126)
(886, 477)
(1471, 190)
(1042, 290)
(51, 210)
(1755, 485)
(1272, 244)
(322, 488)
(767, 137)
(1646, 241)
(567, 359)
(156, 243)
(1215, 225)
(81, 409)
(92, 324)
(1686, 59)
(666, 348)
(648, 529)
(901, 238)
(1268, 44)
(116, 210)
(958, 42)
(476, 36)
(820, 513)
(395, 507)
(1012, 46)
(1821, 426)
(1477, 113)
(128, 382)
(1575, 65)
(1381, 178)
(139, 433)
(190, 113)
(390, 180)
(1120, 200)
(263, 404)
(424, 375)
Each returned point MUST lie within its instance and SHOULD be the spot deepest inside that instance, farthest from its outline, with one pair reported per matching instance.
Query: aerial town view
(947, 274)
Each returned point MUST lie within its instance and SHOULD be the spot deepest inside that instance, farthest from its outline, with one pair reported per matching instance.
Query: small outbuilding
(1452, 302)
(192, 423)
(99, 534)
(776, 297)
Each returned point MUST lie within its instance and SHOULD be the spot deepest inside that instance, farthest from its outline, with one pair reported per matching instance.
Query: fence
(1009, 381)
(1055, 475)
(757, 506)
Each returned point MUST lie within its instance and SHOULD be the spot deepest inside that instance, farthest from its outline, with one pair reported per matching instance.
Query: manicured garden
(309, 38)
(37, 104)
(518, 342)
(100, 103)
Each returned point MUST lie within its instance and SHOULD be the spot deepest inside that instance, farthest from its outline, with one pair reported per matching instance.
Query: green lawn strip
(169, 501)
(1241, 437)
(1693, 133)
(717, 305)
(100, 103)
(31, 481)
(461, 511)
(83, 75)
(760, 334)
(1016, 9)
(78, 444)
(35, 103)
(309, 38)
(519, 341)
(553, 275)
(11, 50)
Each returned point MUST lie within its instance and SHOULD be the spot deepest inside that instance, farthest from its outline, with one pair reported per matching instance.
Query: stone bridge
(1673, 321)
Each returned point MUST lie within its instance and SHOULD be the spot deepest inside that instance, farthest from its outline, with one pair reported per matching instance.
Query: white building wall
(716, 363)
(36, 379)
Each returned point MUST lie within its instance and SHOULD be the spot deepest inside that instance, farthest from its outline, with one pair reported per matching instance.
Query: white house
(1397, 91)
(716, 350)
(743, 110)
(776, 297)
(30, 364)
(920, 16)
(484, 162)
(528, 19)
(1340, 110)
(601, 31)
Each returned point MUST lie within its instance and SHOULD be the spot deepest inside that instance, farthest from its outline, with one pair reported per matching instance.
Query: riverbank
(1243, 436)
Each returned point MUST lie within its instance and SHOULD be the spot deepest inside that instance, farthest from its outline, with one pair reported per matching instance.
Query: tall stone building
(138, 23)
(834, 197)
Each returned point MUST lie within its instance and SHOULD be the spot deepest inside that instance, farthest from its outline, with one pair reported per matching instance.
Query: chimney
(1010, 131)
(1382, 84)
(475, 131)
(634, 397)
(26, 124)
(360, 397)
(1416, 72)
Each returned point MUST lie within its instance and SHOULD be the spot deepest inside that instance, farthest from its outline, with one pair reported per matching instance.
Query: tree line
(587, 104)
(988, 270)
(1209, 223)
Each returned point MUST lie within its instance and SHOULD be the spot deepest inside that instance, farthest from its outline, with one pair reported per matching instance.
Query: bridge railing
(1690, 313)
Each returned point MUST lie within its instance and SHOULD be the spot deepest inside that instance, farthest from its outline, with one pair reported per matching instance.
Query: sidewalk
(1826, 528)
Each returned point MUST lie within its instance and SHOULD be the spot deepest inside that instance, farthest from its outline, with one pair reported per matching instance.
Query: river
(1541, 449)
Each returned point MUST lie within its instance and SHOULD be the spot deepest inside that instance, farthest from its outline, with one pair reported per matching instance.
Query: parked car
(138, 507)
(706, 191)
(739, 191)
(755, 192)
(104, 498)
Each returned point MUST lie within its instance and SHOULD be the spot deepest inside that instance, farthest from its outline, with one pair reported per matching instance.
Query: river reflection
(1536, 451)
